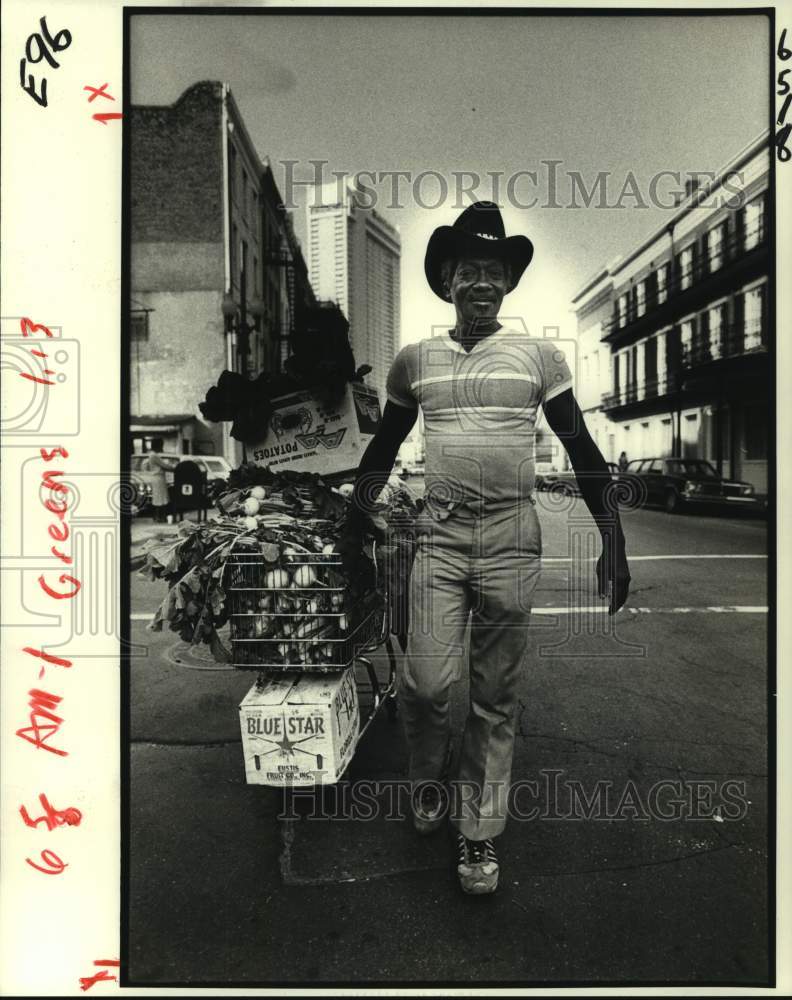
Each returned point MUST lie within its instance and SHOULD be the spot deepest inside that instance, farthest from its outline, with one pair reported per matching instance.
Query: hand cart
(295, 619)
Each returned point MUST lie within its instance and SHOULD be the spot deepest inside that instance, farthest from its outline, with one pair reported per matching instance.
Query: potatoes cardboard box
(299, 729)
(306, 436)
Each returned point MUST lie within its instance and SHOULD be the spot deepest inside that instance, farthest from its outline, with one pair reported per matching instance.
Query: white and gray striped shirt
(480, 409)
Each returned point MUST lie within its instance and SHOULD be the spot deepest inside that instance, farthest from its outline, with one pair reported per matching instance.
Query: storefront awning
(165, 423)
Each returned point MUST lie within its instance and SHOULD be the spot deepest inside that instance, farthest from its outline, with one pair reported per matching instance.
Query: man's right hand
(350, 547)
(354, 534)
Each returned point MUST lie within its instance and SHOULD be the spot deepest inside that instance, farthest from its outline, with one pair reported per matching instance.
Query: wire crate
(292, 619)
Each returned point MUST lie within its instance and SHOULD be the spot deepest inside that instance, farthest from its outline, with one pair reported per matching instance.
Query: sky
(484, 94)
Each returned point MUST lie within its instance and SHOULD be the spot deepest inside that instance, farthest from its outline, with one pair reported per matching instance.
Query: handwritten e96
(41, 46)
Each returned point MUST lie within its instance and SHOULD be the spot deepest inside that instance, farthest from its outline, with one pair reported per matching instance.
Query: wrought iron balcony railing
(733, 341)
(637, 391)
(729, 342)
(735, 247)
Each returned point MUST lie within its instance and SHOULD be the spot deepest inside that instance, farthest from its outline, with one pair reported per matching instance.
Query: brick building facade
(207, 227)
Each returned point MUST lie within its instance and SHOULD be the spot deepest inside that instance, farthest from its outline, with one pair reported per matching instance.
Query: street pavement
(237, 883)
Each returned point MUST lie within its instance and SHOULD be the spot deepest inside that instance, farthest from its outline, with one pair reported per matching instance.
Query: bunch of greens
(279, 519)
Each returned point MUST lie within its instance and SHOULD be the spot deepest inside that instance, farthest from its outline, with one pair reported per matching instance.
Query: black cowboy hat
(478, 232)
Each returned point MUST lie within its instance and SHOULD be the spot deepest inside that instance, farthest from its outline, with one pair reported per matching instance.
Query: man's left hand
(613, 573)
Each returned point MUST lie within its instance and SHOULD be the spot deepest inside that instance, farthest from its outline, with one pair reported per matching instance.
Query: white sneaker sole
(478, 880)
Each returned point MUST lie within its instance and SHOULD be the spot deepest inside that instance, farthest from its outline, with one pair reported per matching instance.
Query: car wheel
(672, 503)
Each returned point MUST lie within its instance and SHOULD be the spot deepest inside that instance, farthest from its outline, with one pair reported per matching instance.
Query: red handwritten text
(86, 982)
(52, 817)
(52, 863)
(44, 706)
(41, 705)
(102, 116)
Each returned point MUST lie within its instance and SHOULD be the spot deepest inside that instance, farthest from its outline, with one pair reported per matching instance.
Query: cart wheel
(392, 707)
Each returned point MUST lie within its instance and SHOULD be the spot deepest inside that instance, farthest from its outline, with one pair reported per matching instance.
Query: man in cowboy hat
(479, 550)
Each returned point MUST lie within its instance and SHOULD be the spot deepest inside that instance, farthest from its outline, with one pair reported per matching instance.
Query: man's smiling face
(477, 287)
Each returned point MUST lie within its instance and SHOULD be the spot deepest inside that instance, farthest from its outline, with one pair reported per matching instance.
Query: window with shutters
(686, 263)
(716, 321)
(651, 289)
(640, 298)
(617, 374)
(686, 329)
(621, 310)
(753, 226)
(754, 317)
(715, 240)
(640, 371)
(661, 361)
(662, 283)
(650, 367)
(632, 372)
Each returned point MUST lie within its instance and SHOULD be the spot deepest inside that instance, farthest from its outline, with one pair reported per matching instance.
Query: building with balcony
(683, 321)
(594, 305)
(354, 258)
(217, 277)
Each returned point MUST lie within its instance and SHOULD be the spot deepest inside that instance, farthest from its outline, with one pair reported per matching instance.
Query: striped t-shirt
(479, 409)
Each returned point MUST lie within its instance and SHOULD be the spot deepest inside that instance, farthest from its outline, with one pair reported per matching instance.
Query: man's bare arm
(594, 479)
(378, 458)
(593, 476)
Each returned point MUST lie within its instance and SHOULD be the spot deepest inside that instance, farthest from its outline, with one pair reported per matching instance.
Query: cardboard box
(306, 436)
(300, 729)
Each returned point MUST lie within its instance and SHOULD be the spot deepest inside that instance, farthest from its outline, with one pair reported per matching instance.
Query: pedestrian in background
(623, 462)
(159, 483)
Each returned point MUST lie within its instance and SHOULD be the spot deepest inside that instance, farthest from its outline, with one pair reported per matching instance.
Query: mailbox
(189, 489)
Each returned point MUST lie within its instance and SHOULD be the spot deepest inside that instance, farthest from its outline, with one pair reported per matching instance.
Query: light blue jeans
(479, 565)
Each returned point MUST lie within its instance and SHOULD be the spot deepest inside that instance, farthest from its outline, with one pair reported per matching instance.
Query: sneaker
(477, 865)
(429, 806)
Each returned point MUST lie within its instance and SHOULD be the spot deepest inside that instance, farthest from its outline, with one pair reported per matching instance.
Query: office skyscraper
(354, 259)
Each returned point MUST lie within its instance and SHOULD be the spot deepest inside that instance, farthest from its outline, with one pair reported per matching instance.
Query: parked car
(215, 466)
(565, 482)
(675, 483)
(542, 469)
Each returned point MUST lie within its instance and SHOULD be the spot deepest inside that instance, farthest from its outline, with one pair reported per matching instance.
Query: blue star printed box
(299, 729)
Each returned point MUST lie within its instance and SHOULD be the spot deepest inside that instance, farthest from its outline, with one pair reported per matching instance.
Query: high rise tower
(354, 259)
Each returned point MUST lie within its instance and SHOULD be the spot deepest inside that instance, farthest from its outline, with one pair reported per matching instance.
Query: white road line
(725, 555)
(745, 609)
